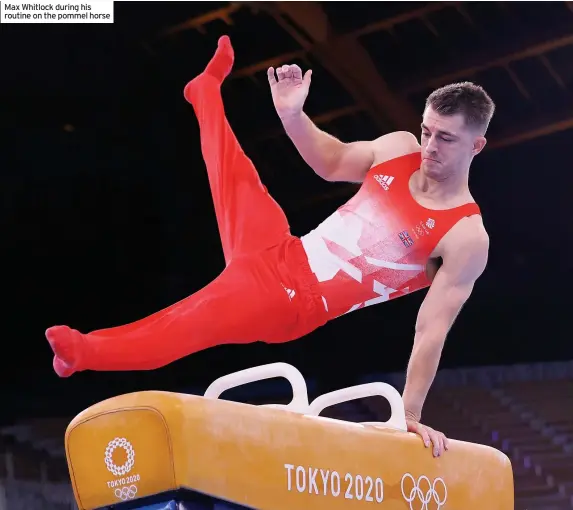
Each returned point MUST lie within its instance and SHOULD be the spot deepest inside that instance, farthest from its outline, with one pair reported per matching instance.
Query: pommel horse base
(160, 450)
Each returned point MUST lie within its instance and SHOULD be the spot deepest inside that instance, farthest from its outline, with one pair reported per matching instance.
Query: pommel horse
(157, 450)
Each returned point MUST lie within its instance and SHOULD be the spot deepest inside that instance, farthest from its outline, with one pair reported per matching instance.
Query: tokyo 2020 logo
(124, 444)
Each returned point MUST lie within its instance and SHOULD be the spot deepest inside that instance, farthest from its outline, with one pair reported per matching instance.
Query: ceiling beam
(323, 118)
(536, 130)
(392, 21)
(198, 22)
(347, 61)
(376, 26)
(263, 65)
(484, 62)
(551, 70)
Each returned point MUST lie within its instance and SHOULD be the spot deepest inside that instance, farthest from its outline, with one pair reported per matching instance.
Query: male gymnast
(413, 209)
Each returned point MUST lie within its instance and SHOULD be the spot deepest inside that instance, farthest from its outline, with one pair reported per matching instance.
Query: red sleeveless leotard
(376, 246)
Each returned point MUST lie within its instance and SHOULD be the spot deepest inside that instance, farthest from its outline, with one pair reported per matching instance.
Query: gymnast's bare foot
(66, 344)
(219, 67)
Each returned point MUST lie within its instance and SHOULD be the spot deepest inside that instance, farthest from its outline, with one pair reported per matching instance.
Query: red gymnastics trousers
(267, 291)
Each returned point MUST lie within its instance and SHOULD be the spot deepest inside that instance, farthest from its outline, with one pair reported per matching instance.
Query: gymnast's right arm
(330, 158)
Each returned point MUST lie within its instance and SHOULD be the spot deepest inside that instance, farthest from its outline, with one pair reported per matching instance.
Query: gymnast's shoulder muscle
(394, 145)
(355, 159)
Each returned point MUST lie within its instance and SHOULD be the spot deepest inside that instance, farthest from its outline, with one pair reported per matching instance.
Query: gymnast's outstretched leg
(237, 307)
(244, 304)
(248, 217)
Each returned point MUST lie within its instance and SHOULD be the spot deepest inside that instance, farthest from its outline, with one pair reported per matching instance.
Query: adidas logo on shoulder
(384, 180)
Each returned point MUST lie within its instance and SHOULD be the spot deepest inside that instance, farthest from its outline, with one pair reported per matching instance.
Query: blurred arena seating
(33, 468)
(526, 411)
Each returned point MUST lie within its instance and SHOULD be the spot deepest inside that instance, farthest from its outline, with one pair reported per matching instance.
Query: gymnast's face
(448, 144)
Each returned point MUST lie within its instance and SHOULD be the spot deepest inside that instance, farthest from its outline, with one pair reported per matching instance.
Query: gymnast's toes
(222, 62)
(216, 71)
(62, 368)
(66, 344)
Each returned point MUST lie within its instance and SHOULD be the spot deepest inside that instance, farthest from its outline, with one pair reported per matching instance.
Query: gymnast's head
(456, 118)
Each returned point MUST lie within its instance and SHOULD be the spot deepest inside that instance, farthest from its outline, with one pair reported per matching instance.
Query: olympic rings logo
(437, 491)
(126, 493)
(129, 463)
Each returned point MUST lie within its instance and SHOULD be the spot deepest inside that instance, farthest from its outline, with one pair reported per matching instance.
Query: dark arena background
(107, 214)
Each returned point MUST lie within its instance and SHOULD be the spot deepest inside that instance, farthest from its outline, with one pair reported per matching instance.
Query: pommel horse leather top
(274, 457)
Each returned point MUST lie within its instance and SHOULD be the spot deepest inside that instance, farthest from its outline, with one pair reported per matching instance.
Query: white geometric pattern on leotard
(360, 243)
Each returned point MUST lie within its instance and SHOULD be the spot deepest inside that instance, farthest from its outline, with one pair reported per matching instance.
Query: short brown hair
(467, 98)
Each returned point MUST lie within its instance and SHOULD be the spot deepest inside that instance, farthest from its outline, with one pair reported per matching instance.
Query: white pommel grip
(299, 401)
(398, 415)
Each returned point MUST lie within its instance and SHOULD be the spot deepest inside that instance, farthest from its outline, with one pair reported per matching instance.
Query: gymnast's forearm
(319, 150)
(421, 372)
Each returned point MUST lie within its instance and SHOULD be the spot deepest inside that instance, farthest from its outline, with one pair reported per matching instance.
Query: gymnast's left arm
(464, 257)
